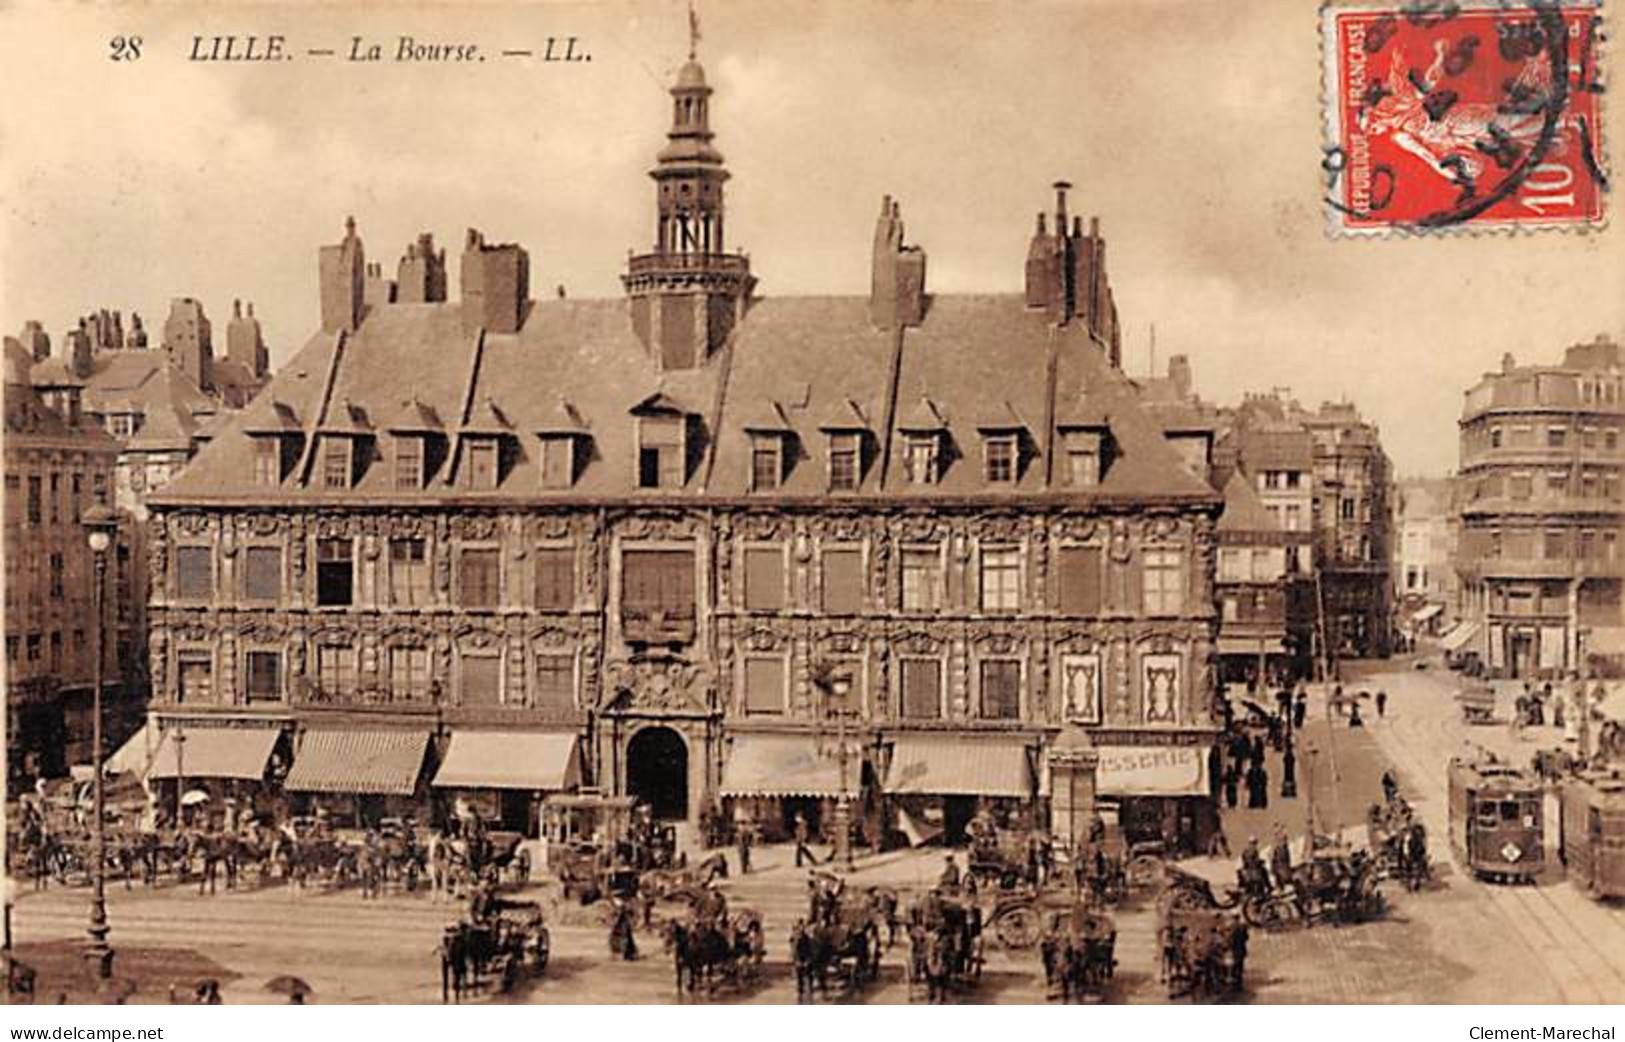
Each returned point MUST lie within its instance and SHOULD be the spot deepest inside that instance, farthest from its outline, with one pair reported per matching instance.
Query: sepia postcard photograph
(709, 503)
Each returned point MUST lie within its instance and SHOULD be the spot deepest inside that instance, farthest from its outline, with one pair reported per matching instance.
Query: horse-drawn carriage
(841, 937)
(1399, 843)
(945, 943)
(1002, 858)
(505, 944)
(1204, 950)
(1477, 703)
(724, 949)
(1078, 951)
(1332, 886)
(598, 845)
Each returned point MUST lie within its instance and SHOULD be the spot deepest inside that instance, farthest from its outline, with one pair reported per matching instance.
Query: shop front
(357, 778)
(937, 783)
(769, 780)
(207, 773)
(504, 775)
(1161, 792)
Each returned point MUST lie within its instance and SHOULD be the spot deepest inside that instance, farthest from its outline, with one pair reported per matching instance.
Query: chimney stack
(343, 282)
(495, 285)
(897, 273)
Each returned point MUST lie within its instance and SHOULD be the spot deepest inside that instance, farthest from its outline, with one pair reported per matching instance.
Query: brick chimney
(897, 278)
(495, 285)
(343, 279)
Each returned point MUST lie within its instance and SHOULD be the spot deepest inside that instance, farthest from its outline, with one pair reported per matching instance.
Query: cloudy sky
(1191, 127)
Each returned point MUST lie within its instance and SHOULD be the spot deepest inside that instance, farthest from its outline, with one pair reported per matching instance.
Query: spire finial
(693, 30)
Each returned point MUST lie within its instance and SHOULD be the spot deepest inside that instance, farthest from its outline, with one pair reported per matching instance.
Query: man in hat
(802, 850)
(1289, 772)
(1382, 703)
(1281, 856)
(1300, 710)
(1254, 878)
(743, 838)
(949, 880)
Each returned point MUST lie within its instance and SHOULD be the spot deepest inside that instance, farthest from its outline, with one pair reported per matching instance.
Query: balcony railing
(657, 263)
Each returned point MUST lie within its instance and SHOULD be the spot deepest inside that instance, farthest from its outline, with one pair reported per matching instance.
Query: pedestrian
(1289, 773)
(1300, 710)
(1382, 703)
(1263, 787)
(1390, 787)
(1170, 830)
(1232, 781)
(1255, 786)
(743, 838)
(1218, 844)
(1354, 716)
(1281, 857)
(802, 850)
(949, 880)
(1337, 698)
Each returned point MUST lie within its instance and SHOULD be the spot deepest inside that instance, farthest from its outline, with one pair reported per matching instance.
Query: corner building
(505, 546)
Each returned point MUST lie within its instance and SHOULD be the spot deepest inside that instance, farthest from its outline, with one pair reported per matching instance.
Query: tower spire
(693, 30)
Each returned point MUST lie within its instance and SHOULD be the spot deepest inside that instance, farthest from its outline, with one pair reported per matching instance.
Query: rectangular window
(56, 652)
(267, 461)
(1586, 548)
(34, 647)
(1557, 483)
(56, 496)
(335, 573)
(194, 674)
(408, 462)
(921, 569)
(98, 484)
(1521, 486)
(1083, 467)
(1001, 579)
(1001, 690)
(1495, 437)
(1589, 484)
(1589, 437)
(1001, 460)
(34, 497)
(478, 578)
(56, 576)
(335, 462)
(262, 573)
(1294, 517)
(1347, 510)
(408, 573)
(194, 573)
(482, 463)
(1610, 546)
(335, 670)
(660, 452)
(555, 683)
(482, 680)
(764, 579)
(76, 488)
(409, 673)
(920, 458)
(764, 686)
(1164, 581)
(657, 594)
(765, 465)
(558, 462)
(844, 464)
(14, 499)
(264, 676)
(922, 688)
(1556, 548)
(1081, 580)
(1610, 439)
(11, 650)
(555, 578)
(1263, 566)
(1610, 486)
(1557, 437)
(843, 581)
(1293, 478)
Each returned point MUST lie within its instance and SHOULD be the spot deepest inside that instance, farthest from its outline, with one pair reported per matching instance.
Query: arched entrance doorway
(657, 771)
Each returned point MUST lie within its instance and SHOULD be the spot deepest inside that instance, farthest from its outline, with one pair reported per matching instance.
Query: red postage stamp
(1445, 115)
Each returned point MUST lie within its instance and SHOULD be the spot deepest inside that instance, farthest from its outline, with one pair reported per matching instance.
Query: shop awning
(1152, 770)
(367, 763)
(508, 760)
(933, 766)
(215, 752)
(1250, 646)
(1427, 612)
(786, 765)
(1457, 638)
(136, 754)
(1606, 640)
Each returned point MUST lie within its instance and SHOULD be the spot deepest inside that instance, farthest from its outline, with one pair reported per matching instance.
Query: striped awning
(1458, 638)
(947, 766)
(1253, 646)
(786, 765)
(1426, 613)
(215, 752)
(508, 760)
(366, 763)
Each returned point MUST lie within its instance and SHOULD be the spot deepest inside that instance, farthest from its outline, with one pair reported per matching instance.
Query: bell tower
(688, 293)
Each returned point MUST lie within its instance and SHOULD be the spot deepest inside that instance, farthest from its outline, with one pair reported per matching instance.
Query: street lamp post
(179, 738)
(99, 523)
(840, 685)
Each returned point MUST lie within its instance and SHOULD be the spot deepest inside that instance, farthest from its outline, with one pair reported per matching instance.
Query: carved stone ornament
(763, 639)
(762, 526)
(1080, 529)
(994, 642)
(552, 636)
(843, 642)
(550, 526)
(670, 684)
(838, 528)
(478, 637)
(1160, 528)
(658, 524)
(475, 526)
(336, 526)
(264, 524)
(998, 527)
(920, 642)
(1122, 546)
(189, 522)
(920, 528)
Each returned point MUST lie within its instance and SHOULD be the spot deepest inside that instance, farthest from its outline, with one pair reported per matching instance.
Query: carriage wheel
(1144, 870)
(1018, 927)
(1185, 897)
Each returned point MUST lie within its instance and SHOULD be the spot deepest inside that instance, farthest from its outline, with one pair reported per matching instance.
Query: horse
(699, 952)
(454, 964)
(440, 864)
(821, 946)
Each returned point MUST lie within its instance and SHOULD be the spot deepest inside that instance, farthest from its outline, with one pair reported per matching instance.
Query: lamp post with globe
(99, 524)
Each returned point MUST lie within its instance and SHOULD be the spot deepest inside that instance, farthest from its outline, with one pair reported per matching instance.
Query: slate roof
(173, 407)
(1244, 511)
(803, 364)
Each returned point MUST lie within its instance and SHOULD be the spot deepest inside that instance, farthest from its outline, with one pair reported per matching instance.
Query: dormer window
(483, 437)
(999, 458)
(845, 461)
(481, 462)
(662, 442)
(276, 439)
(563, 435)
(408, 461)
(336, 462)
(924, 430)
(1084, 452)
(770, 436)
(343, 441)
(267, 460)
(417, 439)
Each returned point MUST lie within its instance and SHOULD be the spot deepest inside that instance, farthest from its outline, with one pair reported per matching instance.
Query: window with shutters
(335, 462)
(264, 669)
(843, 581)
(1000, 458)
(335, 670)
(262, 573)
(657, 595)
(1081, 580)
(409, 673)
(845, 461)
(660, 451)
(555, 578)
(558, 461)
(194, 573)
(98, 484)
(1163, 581)
(408, 573)
(1001, 579)
(922, 569)
(335, 573)
(408, 461)
(1001, 690)
(922, 688)
(764, 578)
(194, 672)
(482, 460)
(555, 688)
(764, 686)
(478, 578)
(481, 679)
